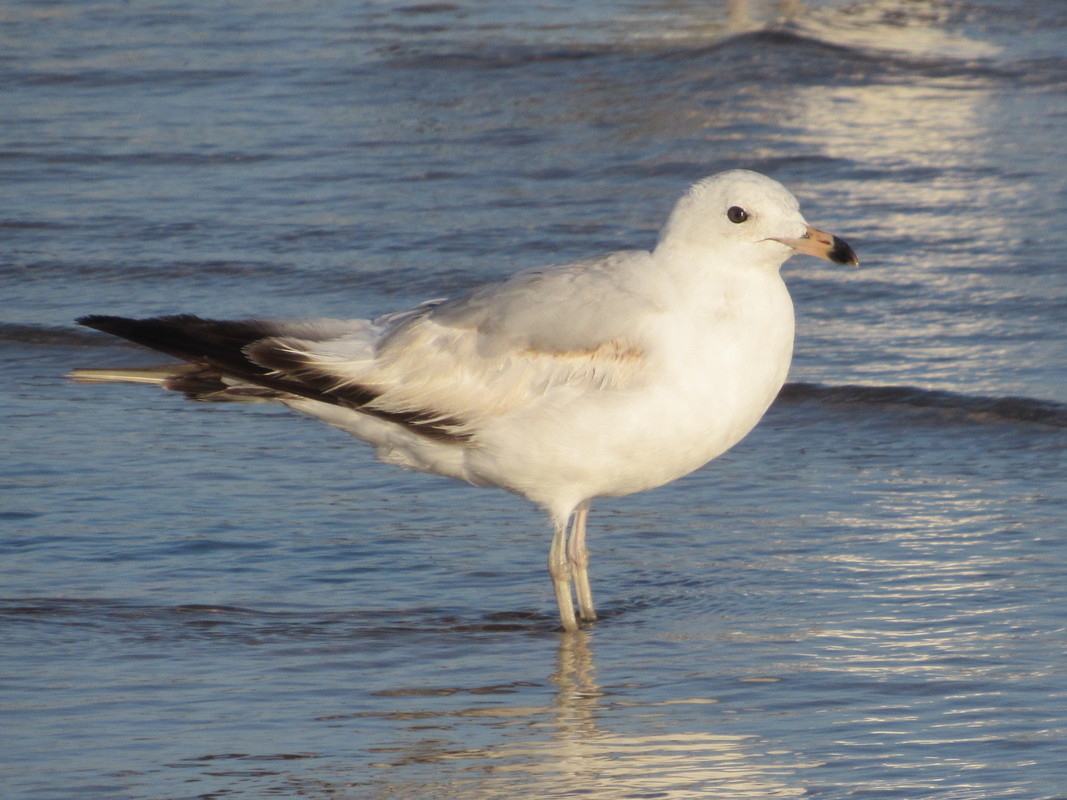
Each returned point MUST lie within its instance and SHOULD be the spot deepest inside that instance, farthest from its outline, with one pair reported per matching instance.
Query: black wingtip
(243, 349)
(99, 322)
(184, 336)
(109, 324)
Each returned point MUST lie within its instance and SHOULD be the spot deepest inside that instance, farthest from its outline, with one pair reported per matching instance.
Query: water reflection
(742, 17)
(918, 28)
(588, 742)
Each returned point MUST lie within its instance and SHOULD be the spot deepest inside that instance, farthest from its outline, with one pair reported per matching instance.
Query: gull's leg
(578, 555)
(560, 569)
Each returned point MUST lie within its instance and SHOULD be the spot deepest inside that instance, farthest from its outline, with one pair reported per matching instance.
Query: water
(866, 598)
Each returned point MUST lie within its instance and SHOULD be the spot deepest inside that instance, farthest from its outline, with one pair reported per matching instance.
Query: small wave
(494, 58)
(169, 271)
(137, 159)
(48, 335)
(975, 408)
(259, 625)
(804, 54)
(30, 225)
(110, 78)
(794, 52)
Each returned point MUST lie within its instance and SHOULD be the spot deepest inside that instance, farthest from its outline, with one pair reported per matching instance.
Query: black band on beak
(842, 253)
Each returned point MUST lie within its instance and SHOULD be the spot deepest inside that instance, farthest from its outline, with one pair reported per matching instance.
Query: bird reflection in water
(591, 741)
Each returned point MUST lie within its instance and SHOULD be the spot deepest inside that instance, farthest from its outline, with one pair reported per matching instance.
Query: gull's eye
(736, 214)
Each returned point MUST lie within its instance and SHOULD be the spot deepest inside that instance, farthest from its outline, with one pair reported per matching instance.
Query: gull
(599, 378)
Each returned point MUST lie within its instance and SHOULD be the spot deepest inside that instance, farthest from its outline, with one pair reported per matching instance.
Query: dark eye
(736, 214)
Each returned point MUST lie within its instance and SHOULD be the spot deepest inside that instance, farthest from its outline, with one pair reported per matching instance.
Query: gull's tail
(155, 376)
(195, 382)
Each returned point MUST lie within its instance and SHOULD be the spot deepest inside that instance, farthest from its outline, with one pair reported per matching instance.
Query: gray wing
(454, 364)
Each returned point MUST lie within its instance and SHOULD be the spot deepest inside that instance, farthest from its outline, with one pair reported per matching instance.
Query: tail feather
(155, 376)
(196, 383)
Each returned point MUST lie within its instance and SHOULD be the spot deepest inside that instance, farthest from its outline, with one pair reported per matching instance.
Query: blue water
(866, 598)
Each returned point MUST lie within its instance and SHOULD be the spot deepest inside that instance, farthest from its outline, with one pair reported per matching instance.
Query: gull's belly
(695, 406)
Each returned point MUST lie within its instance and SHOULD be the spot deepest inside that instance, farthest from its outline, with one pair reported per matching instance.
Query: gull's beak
(823, 245)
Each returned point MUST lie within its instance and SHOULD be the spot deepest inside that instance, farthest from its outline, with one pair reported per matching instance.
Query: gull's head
(747, 218)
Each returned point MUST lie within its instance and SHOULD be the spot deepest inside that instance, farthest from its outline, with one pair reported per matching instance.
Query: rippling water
(865, 598)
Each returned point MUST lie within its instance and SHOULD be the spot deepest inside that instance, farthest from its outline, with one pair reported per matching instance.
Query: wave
(155, 158)
(47, 335)
(236, 623)
(978, 408)
(110, 78)
(807, 54)
(975, 408)
(801, 52)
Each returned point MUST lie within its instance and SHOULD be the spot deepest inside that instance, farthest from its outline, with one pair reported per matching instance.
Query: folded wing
(441, 369)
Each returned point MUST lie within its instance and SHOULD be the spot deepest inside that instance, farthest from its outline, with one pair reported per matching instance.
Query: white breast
(716, 365)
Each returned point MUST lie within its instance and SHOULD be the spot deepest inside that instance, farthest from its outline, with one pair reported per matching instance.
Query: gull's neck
(693, 267)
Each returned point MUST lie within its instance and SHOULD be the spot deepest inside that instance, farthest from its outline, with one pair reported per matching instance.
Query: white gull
(599, 378)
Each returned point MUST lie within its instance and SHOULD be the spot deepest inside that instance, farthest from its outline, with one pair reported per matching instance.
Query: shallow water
(865, 598)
